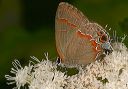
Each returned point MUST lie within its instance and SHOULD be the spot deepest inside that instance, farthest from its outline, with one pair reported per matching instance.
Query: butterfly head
(105, 42)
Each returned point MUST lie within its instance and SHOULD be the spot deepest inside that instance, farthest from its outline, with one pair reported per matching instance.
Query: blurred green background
(27, 27)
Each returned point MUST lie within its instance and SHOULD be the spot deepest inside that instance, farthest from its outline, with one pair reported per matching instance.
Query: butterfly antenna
(109, 29)
(114, 36)
(106, 26)
(123, 38)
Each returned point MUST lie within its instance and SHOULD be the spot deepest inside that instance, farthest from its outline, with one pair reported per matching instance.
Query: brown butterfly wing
(72, 14)
(92, 29)
(70, 46)
(68, 20)
(79, 50)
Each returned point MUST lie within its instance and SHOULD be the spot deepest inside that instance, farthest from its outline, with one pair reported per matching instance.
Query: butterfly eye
(103, 38)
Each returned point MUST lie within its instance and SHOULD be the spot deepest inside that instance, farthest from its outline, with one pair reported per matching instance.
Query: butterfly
(78, 41)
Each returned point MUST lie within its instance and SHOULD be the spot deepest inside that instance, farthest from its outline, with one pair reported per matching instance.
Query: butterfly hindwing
(79, 50)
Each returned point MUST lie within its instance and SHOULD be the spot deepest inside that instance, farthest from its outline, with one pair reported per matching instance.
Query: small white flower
(46, 76)
(22, 75)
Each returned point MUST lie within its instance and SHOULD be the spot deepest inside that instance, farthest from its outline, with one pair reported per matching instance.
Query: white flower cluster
(43, 75)
(109, 73)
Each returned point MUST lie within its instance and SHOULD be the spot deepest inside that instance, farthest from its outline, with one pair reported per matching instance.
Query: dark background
(27, 27)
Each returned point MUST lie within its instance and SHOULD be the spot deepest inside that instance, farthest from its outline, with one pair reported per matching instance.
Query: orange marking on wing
(62, 20)
(94, 49)
(98, 47)
(89, 37)
(72, 25)
(79, 34)
(68, 23)
(94, 43)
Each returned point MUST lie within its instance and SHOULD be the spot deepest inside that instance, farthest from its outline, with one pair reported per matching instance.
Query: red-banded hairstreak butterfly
(78, 41)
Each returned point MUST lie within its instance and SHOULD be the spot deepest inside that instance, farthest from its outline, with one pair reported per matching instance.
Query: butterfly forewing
(68, 20)
(71, 15)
